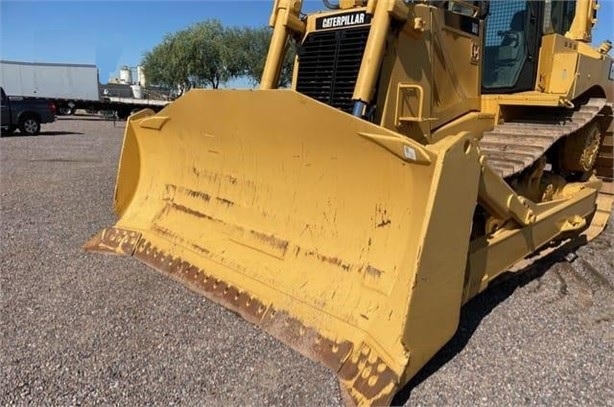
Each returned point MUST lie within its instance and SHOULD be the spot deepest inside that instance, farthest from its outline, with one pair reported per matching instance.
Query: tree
(199, 56)
(207, 54)
(255, 45)
(167, 64)
(215, 56)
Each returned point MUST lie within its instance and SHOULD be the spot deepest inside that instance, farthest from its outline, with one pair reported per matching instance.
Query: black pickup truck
(25, 114)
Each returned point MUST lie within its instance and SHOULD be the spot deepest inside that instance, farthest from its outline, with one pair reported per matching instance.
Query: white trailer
(69, 87)
(65, 82)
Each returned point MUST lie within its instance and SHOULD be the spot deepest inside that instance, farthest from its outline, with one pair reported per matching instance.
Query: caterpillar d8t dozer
(424, 149)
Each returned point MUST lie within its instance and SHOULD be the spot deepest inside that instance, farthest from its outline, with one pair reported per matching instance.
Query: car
(25, 114)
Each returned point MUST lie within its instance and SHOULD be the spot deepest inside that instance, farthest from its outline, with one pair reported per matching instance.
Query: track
(515, 145)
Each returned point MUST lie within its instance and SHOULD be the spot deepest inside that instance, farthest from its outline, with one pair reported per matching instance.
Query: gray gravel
(82, 328)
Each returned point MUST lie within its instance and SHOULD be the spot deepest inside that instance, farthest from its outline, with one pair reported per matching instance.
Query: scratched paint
(226, 202)
(335, 261)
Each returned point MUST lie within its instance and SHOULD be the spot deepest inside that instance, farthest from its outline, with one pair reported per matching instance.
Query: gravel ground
(82, 328)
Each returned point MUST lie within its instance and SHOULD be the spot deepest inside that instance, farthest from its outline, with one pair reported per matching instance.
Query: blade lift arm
(285, 19)
(584, 20)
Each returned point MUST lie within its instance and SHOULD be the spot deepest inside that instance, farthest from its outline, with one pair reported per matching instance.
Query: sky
(113, 33)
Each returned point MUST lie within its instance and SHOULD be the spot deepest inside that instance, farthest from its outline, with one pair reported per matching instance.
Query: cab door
(511, 46)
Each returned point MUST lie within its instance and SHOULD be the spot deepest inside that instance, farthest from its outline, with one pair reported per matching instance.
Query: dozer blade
(344, 240)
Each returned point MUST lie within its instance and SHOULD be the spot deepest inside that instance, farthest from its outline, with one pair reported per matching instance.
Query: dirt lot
(82, 328)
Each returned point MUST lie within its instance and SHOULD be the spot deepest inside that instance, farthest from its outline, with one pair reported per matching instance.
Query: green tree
(201, 55)
(255, 46)
(167, 64)
(207, 54)
(215, 57)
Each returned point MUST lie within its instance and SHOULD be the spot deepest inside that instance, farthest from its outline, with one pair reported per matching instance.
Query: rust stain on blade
(265, 243)
(372, 271)
(113, 241)
(178, 240)
(335, 261)
(172, 189)
(225, 202)
(200, 281)
(306, 340)
(189, 211)
(383, 223)
(272, 240)
(368, 378)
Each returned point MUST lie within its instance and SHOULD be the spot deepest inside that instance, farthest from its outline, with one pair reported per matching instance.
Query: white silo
(125, 75)
(140, 72)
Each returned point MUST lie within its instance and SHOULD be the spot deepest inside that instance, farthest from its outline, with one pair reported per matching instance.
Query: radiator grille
(328, 65)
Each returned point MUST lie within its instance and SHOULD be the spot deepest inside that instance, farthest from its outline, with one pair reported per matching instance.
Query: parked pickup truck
(25, 114)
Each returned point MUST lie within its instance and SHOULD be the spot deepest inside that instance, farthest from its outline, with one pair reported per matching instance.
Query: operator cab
(512, 39)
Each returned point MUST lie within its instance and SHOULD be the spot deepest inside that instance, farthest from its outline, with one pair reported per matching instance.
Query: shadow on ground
(42, 133)
(58, 133)
(87, 118)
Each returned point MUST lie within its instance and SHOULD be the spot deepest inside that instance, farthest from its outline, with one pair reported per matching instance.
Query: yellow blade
(316, 225)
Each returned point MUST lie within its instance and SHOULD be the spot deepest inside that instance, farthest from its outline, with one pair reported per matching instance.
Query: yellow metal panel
(593, 72)
(408, 60)
(544, 67)
(456, 61)
(430, 75)
(563, 72)
(557, 64)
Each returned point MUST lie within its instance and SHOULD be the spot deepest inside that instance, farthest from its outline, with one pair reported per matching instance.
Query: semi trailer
(70, 87)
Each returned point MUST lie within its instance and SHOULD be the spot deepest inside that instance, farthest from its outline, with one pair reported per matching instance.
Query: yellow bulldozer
(424, 149)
